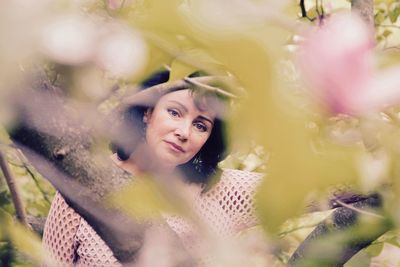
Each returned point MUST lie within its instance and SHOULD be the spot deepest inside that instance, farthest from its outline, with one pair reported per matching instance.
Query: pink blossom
(336, 61)
(121, 52)
(68, 39)
(114, 4)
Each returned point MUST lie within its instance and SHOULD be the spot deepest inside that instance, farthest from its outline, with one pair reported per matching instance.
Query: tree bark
(343, 232)
(60, 148)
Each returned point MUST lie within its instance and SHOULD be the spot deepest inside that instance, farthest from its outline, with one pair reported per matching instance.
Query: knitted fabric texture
(226, 209)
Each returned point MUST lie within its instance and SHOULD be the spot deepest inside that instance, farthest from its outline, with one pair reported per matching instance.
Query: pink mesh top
(226, 209)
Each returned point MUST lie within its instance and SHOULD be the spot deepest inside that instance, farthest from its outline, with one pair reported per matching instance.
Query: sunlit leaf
(24, 240)
(394, 14)
(4, 137)
(360, 259)
(380, 16)
(180, 70)
(386, 33)
(388, 256)
(374, 249)
(143, 200)
(27, 242)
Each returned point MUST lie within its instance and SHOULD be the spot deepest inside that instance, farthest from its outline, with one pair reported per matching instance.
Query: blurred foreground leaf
(25, 240)
(143, 199)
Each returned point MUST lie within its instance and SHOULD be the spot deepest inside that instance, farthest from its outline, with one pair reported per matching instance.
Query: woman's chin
(170, 158)
(170, 163)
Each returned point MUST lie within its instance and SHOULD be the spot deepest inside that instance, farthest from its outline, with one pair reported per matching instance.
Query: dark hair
(201, 168)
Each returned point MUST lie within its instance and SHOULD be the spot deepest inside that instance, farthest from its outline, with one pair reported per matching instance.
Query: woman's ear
(147, 115)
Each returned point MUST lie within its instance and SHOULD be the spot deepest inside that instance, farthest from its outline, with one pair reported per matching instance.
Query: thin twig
(321, 5)
(14, 192)
(32, 175)
(317, 8)
(150, 95)
(209, 88)
(54, 80)
(392, 115)
(304, 11)
(284, 233)
(168, 68)
(392, 47)
(359, 210)
(386, 25)
(185, 58)
(25, 165)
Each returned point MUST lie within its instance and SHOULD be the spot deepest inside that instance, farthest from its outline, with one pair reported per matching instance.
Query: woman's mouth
(175, 147)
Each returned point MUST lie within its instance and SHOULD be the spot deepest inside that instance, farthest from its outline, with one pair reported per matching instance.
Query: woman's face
(177, 128)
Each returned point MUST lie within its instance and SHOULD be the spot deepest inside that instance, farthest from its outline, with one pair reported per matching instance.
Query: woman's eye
(173, 112)
(200, 126)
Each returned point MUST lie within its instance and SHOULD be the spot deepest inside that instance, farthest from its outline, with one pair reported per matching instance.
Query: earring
(146, 115)
(198, 163)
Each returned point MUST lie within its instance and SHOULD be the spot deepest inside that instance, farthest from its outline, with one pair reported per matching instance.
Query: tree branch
(151, 95)
(31, 174)
(209, 88)
(15, 195)
(359, 210)
(339, 237)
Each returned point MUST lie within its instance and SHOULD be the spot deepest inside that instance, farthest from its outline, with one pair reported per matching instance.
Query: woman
(180, 131)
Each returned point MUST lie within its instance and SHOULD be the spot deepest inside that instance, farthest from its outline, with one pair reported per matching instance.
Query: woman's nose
(182, 131)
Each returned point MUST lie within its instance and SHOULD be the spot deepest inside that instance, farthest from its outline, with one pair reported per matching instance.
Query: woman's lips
(175, 146)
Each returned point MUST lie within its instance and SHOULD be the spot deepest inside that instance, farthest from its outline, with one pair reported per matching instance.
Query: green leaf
(386, 33)
(374, 249)
(4, 198)
(27, 242)
(379, 17)
(180, 70)
(360, 259)
(4, 137)
(394, 14)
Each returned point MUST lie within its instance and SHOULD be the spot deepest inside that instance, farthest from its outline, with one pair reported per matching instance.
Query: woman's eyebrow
(187, 110)
(206, 119)
(180, 104)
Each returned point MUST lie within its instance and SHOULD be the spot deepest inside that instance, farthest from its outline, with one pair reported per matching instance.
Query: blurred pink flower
(114, 4)
(121, 51)
(69, 39)
(336, 61)
(77, 40)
